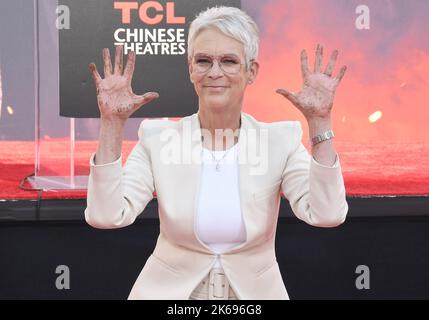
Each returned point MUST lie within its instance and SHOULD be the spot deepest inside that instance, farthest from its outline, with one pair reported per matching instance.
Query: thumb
(288, 95)
(144, 99)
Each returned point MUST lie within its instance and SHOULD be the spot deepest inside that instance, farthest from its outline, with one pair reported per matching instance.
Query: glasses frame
(216, 58)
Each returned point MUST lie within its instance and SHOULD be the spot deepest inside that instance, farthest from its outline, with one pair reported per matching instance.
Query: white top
(220, 223)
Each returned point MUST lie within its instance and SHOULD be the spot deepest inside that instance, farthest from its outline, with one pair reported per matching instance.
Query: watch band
(322, 137)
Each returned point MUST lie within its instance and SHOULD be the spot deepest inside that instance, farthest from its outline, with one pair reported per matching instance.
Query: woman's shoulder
(150, 127)
(293, 126)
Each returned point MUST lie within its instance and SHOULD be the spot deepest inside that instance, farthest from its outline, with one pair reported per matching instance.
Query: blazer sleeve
(316, 192)
(116, 195)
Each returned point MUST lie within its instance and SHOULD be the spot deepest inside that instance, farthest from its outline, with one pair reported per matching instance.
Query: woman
(218, 213)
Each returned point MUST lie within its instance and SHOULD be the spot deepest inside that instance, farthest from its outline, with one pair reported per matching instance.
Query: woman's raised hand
(115, 96)
(316, 98)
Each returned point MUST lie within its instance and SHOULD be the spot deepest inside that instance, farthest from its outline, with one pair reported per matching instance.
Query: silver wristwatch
(322, 137)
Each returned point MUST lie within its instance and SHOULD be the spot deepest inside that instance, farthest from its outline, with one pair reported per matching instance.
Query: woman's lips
(216, 88)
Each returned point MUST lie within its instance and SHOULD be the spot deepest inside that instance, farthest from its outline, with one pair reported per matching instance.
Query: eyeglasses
(228, 64)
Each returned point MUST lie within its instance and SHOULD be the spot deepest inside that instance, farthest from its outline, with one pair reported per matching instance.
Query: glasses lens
(230, 65)
(203, 64)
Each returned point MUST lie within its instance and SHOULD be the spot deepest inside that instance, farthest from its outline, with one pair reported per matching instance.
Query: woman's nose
(215, 70)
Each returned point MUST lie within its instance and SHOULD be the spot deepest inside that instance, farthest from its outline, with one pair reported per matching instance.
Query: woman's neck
(219, 131)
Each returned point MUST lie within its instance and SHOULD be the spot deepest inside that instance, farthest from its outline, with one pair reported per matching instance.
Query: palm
(115, 96)
(114, 93)
(316, 97)
(317, 92)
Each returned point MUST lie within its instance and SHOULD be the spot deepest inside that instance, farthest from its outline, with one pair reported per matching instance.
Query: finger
(319, 58)
(119, 60)
(330, 67)
(144, 99)
(107, 62)
(304, 64)
(341, 74)
(288, 95)
(95, 75)
(129, 69)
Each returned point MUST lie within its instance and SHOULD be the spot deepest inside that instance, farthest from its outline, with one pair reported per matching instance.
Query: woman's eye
(229, 61)
(203, 61)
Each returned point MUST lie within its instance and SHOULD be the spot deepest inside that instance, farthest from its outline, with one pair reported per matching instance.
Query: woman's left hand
(316, 98)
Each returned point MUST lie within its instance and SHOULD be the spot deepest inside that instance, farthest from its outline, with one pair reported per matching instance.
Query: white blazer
(180, 260)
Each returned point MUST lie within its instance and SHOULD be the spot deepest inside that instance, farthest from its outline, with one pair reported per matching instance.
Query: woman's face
(216, 88)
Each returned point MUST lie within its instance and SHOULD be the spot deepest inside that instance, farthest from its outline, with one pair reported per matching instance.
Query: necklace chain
(218, 161)
(224, 155)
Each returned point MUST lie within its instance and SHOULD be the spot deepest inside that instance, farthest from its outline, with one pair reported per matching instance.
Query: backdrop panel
(161, 63)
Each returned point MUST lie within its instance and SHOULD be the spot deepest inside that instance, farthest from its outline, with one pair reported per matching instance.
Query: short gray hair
(232, 22)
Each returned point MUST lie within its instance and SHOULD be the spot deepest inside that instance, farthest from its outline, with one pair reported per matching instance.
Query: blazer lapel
(244, 167)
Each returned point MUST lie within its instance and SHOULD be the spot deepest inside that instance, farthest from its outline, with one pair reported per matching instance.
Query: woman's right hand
(115, 96)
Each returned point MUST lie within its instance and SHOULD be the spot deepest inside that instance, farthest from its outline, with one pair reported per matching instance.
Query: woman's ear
(253, 71)
(190, 71)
